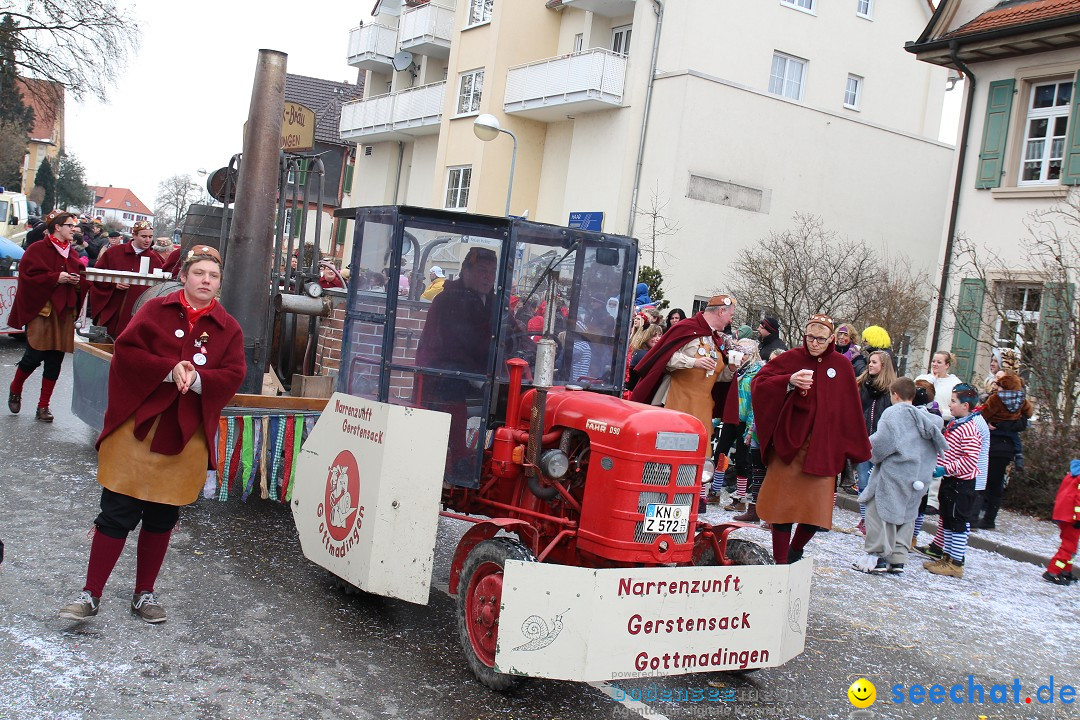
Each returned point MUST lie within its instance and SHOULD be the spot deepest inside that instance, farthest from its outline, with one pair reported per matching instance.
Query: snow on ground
(1000, 621)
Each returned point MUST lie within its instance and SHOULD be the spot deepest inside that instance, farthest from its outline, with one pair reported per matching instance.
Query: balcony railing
(427, 29)
(607, 8)
(548, 90)
(372, 47)
(397, 116)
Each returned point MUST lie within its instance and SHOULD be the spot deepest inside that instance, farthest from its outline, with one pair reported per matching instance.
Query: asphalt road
(257, 631)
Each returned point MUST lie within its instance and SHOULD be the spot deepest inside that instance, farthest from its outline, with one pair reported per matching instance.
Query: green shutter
(302, 175)
(339, 234)
(1055, 334)
(995, 129)
(1070, 166)
(968, 322)
(348, 177)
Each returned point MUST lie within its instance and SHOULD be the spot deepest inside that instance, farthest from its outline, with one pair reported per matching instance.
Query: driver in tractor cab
(457, 336)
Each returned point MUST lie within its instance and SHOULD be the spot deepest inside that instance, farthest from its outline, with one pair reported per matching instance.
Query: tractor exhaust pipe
(543, 379)
(251, 236)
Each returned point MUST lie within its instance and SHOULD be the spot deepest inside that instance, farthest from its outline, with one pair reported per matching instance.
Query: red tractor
(543, 456)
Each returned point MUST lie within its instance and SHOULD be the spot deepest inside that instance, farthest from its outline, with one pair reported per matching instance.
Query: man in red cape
(809, 422)
(112, 304)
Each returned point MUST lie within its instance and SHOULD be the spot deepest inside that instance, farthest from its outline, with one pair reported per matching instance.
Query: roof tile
(1016, 14)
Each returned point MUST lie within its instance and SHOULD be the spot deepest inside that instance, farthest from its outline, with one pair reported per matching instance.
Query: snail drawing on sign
(794, 615)
(539, 635)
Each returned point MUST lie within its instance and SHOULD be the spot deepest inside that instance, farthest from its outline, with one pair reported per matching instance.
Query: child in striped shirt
(958, 468)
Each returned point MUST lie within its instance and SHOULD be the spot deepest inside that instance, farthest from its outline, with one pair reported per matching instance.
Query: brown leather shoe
(14, 402)
(749, 516)
(44, 415)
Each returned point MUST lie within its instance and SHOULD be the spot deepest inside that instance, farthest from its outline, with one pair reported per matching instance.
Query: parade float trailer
(585, 558)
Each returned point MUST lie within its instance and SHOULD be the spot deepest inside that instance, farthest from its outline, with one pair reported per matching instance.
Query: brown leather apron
(128, 466)
(691, 392)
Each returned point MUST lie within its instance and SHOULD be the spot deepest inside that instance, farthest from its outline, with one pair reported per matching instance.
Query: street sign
(587, 221)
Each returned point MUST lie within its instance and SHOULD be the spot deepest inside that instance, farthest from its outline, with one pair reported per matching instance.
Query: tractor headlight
(707, 471)
(554, 463)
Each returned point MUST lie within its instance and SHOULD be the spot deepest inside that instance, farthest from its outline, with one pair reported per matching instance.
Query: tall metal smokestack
(246, 292)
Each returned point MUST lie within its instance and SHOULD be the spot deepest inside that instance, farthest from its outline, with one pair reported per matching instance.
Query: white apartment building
(737, 113)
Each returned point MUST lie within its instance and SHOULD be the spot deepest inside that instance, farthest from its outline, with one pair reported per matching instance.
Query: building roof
(1011, 28)
(1017, 14)
(324, 98)
(47, 100)
(117, 198)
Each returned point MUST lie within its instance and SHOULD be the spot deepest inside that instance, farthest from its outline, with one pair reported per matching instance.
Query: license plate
(668, 519)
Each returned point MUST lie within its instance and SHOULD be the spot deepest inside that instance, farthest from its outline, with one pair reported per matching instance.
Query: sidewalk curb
(975, 539)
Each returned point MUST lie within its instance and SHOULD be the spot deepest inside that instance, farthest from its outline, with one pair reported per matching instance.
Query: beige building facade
(752, 112)
(1022, 159)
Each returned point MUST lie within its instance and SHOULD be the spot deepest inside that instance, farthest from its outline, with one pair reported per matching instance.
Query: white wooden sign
(7, 299)
(573, 623)
(368, 487)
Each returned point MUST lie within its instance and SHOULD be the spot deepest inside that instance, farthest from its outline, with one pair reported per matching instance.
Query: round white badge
(199, 359)
(831, 372)
(179, 333)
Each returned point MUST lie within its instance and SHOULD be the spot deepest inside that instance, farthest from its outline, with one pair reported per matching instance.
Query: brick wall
(366, 344)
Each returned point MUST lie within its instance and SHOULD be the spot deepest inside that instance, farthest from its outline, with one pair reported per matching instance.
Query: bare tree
(80, 44)
(1011, 293)
(660, 226)
(806, 270)
(175, 195)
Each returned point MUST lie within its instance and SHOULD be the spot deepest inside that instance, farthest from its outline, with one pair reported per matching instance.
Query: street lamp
(486, 127)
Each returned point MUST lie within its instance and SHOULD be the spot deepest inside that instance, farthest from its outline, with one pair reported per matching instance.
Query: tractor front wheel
(479, 602)
(739, 552)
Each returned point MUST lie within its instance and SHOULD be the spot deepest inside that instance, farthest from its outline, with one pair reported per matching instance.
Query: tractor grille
(656, 474)
(687, 475)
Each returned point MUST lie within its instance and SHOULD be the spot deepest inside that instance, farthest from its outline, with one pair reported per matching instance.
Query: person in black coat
(769, 332)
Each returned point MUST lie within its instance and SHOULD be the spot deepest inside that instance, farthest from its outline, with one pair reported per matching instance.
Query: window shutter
(1070, 166)
(968, 322)
(995, 129)
(339, 234)
(1055, 334)
(348, 177)
(302, 175)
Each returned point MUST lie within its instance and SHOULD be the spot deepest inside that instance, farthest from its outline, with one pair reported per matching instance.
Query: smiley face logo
(862, 693)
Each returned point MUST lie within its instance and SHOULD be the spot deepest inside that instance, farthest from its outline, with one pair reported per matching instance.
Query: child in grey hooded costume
(905, 450)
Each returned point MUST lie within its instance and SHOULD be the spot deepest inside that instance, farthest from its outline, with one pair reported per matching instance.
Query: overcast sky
(183, 99)
(181, 103)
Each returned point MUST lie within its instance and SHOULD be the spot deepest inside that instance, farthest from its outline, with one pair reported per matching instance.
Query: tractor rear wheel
(740, 552)
(478, 605)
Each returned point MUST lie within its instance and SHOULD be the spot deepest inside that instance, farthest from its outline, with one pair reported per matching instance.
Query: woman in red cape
(46, 301)
(807, 412)
(174, 367)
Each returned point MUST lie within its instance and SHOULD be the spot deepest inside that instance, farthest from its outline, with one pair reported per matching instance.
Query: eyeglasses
(69, 225)
(815, 339)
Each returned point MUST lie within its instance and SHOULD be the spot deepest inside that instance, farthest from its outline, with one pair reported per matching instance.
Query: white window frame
(626, 33)
(789, 61)
(1021, 316)
(579, 42)
(865, 9)
(479, 12)
(806, 6)
(457, 192)
(1050, 114)
(468, 101)
(853, 98)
